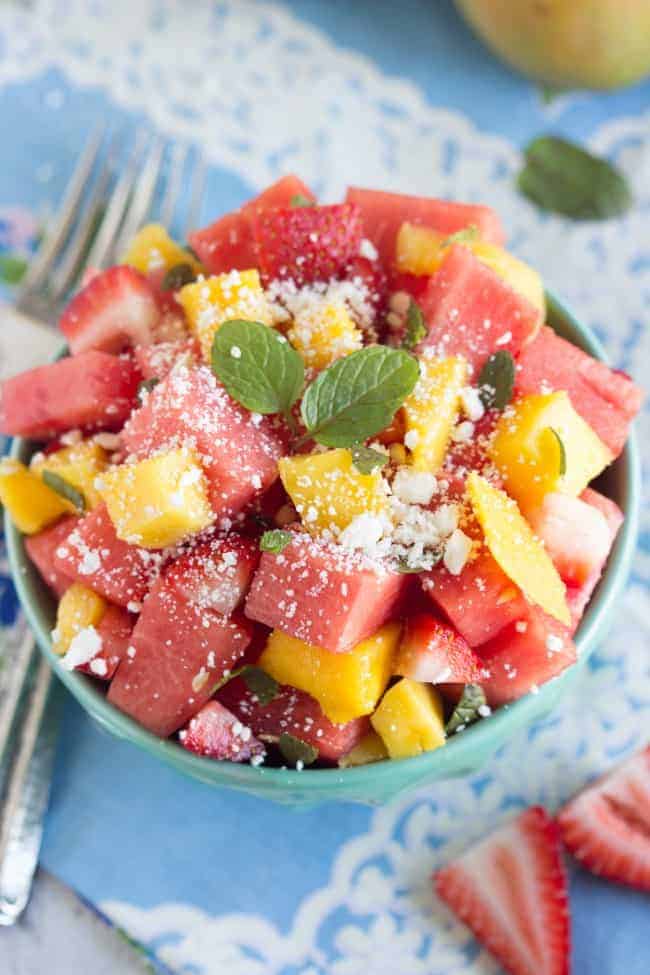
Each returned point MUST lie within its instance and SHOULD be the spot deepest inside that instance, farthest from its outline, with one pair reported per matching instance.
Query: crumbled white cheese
(364, 533)
(414, 487)
(457, 551)
(472, 403)
(368, 250)
(411, 439)
(84, 645)
(463, 432)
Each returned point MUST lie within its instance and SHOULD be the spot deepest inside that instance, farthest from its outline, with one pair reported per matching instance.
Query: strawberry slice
(436, 653)
(307, 244)
(115, 309)
(216, 733)
(511, 890)
(607, 827)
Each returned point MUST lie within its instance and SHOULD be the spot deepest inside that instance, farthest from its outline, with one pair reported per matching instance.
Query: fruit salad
(315, 487)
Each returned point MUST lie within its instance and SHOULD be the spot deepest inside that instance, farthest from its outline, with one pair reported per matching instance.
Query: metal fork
(103, 206)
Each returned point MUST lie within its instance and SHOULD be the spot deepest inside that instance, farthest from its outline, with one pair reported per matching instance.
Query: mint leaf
(366, 460)
(415, 327)
(300, 200)
(178, 276)
(496, 380)
(560, 176)
(296, 750)
(12, 268)
(560, 444)
(257, 366)
(64, 489)
(146, 386)
(463, 236)
(467, 709)
(357, 396)
(262, 685)
(275, 541)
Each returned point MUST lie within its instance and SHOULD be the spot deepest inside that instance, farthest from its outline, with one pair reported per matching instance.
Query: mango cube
(328, 491)
(158, 502)
(31, 503)
(209, 302)
(370, 749)
(410, 719)
(515, 547)
(431, 410)
(526, 450)
(346, 685)
(420, 250)
(324, 331)
(152, 249)
(78, 609)
(80, 465)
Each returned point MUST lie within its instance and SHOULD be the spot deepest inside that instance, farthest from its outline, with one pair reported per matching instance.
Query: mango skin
(598, 44)
(410, 719)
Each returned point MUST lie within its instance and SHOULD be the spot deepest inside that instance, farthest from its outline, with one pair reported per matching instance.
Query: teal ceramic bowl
(374, 784)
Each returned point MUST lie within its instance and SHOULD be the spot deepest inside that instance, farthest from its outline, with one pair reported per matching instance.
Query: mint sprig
(296, 750)
(496, 380)
(275, 541)
(415, 326)
(64, 489)
(262, 685)
(300, 200)
(467, 711)
(366, 460)
(562, 449)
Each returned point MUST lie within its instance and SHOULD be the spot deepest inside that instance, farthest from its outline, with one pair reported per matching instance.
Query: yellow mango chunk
(152, 249)
(346, 685)
(513, 544)
(430, 411)
(158, 502)
(31, 503)
(210, 302)
(79, 608)
(370, 749)
(79, 465)
(526, 450)
(324, 331)
(410, 719)
(420, 250)
(328, 491)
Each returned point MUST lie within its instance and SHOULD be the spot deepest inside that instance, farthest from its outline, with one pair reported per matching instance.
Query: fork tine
(170, 199)
(196, 194)
(49, 249)
(103, 243)
(141, 199)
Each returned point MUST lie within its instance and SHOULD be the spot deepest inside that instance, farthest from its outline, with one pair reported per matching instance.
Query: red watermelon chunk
(607, 399)
(238, 450)
(525, 655)
(92, 390)
(292, 712)
(41, 549)
(480, 602)
(93, 555)
(215, 732)
(384, 213)
(307, 244)
(470, 311)
(180, 652)
(323, 595)
(115, 309)
(215, 574)
(157, 361)
(228, 244)
(115, 629)
(435, 653)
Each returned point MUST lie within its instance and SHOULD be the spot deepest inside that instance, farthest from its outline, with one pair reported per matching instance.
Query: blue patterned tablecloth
(395, 95)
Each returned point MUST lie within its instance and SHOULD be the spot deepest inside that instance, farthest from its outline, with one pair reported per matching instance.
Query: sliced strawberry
(607, 827)
(215, 574)
(436, 653)
(576, 535)
(115, 309)
(307, 244)
(511, 890)
(216, 733)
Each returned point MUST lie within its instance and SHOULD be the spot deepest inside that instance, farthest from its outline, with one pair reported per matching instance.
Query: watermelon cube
(435, 653)
(524, 655)
(470, 311)
(157, 360)
(228, 244)
(607, 399)
(41, 549)
(238, 450)
(93, 390)
(215, 732)
(322, 594)
(178, 653)
(215, 574)
(480, 601)
(93, 555)
(384, 213)
(114, 629)
(292, 712)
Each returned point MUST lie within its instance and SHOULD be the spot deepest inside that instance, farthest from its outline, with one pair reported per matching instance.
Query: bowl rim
(442, 762)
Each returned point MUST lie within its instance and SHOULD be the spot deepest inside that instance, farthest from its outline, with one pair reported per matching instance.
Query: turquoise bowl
(372, 784)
